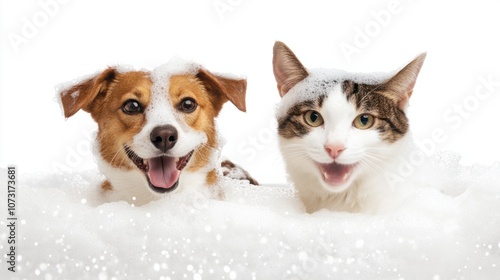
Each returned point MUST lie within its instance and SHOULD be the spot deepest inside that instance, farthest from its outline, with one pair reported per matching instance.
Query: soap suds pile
(449, 230)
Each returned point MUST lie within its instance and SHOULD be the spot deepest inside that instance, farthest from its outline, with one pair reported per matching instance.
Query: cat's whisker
(378, 148)
(377, 160)
(296, 154)
(372, 169)
(377, 152)
(379, 157)
(373, 160)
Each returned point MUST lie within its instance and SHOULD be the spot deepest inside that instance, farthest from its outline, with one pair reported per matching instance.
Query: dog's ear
(233, 90)
(83, 94)
(288, 71)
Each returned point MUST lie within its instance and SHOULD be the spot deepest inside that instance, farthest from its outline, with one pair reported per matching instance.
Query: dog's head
(158, 122)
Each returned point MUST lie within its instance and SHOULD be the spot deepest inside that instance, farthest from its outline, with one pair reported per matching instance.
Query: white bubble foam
(320, 82)
(159, 110)
(439, 231)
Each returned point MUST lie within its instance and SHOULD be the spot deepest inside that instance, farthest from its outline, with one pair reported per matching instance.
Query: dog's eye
(132, 107)
(187, 105)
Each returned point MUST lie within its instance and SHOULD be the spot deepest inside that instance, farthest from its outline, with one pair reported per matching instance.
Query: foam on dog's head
(320, 82)
(176, 66)
(161, 111)
(160, 77)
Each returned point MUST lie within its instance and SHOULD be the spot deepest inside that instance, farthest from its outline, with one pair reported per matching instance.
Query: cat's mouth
(336, 174)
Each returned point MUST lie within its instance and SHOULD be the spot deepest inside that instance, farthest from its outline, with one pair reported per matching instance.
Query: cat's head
(338, 126)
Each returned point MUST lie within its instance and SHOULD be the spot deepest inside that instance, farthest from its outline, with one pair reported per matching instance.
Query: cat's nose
(334, 150)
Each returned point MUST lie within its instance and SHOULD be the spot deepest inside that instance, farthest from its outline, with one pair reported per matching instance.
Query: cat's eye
(187, 105)
(132, 107)
(364, 121)
(313, 118)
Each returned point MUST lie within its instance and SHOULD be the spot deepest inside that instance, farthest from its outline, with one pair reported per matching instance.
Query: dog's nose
(164, 137)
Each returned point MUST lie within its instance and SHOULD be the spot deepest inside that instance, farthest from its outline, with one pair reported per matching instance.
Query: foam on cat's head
(320, 82)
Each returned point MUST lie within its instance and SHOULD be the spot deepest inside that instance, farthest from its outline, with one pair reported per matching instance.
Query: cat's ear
(400, 86)
(287, 68)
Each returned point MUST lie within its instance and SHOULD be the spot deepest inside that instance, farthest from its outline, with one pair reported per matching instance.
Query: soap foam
(321, 82)
(450, 229)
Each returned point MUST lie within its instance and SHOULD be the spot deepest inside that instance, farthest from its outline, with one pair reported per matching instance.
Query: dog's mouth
(336, 174)
(162, 172)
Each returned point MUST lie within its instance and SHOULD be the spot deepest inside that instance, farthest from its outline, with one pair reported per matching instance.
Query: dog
(156, 129)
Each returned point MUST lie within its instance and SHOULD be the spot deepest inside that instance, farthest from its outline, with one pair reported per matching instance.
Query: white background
(44, 43)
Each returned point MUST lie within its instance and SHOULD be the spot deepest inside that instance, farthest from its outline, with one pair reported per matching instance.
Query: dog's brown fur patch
(103, 96)
(117, 129)
(201, 119)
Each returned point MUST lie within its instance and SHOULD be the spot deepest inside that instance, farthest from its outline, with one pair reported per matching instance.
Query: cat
(339, 133)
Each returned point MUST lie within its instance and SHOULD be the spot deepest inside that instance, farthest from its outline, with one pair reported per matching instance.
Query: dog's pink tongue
(163, 172)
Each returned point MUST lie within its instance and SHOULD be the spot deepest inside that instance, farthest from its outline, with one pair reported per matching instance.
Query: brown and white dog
(156, 129)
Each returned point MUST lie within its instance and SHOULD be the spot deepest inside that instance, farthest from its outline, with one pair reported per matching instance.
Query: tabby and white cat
(339, 133)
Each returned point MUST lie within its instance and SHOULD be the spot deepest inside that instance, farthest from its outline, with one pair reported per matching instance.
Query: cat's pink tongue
(163, 172)
(336, 174)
